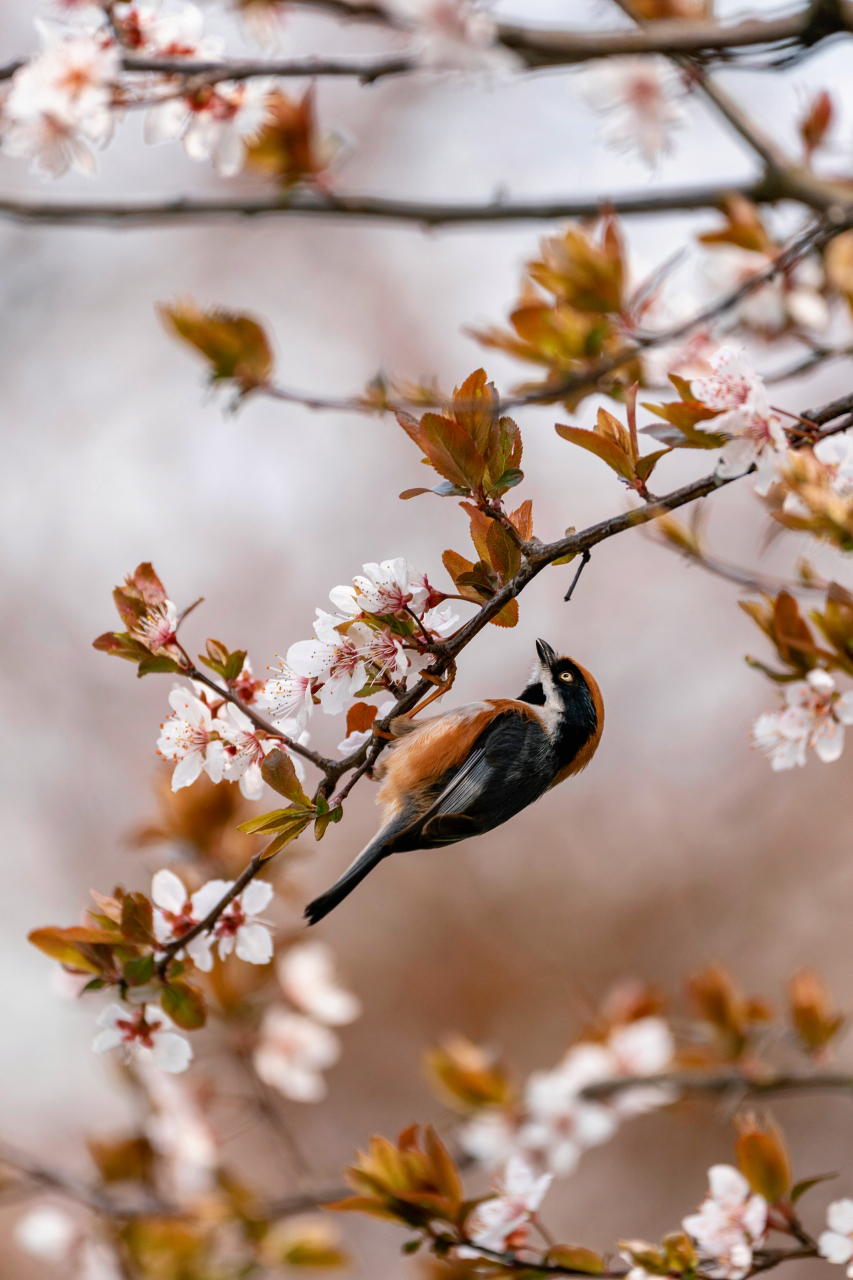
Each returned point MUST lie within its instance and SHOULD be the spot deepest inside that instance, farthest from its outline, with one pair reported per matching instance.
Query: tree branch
(307, 203)
(724, 1082)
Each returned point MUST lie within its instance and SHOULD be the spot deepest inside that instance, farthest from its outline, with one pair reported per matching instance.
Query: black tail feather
(354, 874)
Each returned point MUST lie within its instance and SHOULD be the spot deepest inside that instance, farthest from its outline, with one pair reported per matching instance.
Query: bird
(469, 770)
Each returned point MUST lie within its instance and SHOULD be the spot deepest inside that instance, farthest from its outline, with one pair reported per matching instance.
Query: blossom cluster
(555, 1123)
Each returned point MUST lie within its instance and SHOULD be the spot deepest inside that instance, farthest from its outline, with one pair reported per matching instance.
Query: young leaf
(137, 918)
(235, 345)
(603, 447)
(184, 1004)
(451, 451)
(278, 771)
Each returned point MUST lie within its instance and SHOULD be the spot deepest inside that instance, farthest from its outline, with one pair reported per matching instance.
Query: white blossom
(288, 694)
(729, 1223)
(193, 739)
(244, 751)
(490, 1137)
(59, 104)
(147, 1028)
(157, 627)
(308, 979)
(167, 33)
(391, 587)
(46, 1233)
(814, 716)
(338, 660)
(501, 1223)
(179, 1133)
(440, 620)
(638, 98)
(237, 928)
(755, 433)
(292, 1052)
(560, 1125)
(836, 1243)
(218, 127)
(788, 298)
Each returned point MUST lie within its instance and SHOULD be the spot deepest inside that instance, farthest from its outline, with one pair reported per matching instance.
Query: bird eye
(566, 675)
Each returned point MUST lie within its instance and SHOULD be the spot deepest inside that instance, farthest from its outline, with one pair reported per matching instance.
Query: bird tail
(369, 858)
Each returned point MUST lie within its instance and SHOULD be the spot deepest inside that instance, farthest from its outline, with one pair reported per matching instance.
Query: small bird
(464, 773)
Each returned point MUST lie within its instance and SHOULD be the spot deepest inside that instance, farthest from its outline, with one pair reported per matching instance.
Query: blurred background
(676, 848)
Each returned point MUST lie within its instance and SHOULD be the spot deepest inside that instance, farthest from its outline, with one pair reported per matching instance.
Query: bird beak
(547, 656)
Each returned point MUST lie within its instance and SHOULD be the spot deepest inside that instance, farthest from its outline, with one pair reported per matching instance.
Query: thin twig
(723, 1082)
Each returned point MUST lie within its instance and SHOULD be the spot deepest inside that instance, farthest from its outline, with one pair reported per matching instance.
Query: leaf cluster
(476, 450)
(784, 625)
(287, 148)
(618, 447)
(466, 1076)
(141, 596)
(235, 345)
(286, 824)
(416, 1185)
(499, 558)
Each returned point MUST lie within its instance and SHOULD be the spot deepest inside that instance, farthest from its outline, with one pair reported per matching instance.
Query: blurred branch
(817, 356)
(311, 203)
(726, 1082)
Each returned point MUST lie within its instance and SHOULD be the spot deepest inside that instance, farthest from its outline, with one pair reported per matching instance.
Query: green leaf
(444, 490)
(279, 772)
(156, 663)
(412, 1246)
(504, 451)
(137, 972)
(94, 985)
(800, 1188)
(184, 1004)
(604, 448)
(295, 828)
(137, 918)
(575, 1258)
(275, 820)
(323, 820)
(234, 665)
(510, 478)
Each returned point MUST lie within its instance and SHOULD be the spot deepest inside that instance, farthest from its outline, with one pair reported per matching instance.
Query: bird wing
(506, 769)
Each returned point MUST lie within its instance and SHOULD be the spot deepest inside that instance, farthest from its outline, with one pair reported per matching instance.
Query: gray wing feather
(467, 785)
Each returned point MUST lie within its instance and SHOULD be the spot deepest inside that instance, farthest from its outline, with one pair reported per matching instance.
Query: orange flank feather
(589, 748)
(437, 745)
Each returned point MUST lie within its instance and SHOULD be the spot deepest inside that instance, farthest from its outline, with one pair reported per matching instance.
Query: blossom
(791, 297)
(237, 928)
(391, 587)
(339, 660)
(307, 976)
(755, 434)
(167, 33)
(244, 752)
(192, 738)
(179, 1133)
(46, 1233)
(246, 686)
(59, 104)
(157, 628)
(501, 1223)
(814, 716)
(637, 97)
(453, 34)
(441, 621)
(644, 1047)
(560, 1124)
(835, 454)
(836, 1244)
(175, 914)
(287, 693)
(490, 1137)
(292, 1052)
(216, 122)
(146, 1028)
(730, 1221)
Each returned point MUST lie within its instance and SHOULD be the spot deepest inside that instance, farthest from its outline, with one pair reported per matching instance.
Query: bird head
(561, 683)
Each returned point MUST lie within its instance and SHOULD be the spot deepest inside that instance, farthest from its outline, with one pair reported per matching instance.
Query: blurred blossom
(561, 1125)
(146, 1029)
(755, 433)
(638, 98)
(157, 628)
(456, 35)
(46, 1233)
(836, 1244)
(730, 1221)
(814, 716)
(836, 455)
(793, 297)
(179, 1133)
(292, 1052)
(501, 1223)
(217, 128)
(308, 979)
(490, 1137)
(68, 984)
(98, 1262)
(167, 33)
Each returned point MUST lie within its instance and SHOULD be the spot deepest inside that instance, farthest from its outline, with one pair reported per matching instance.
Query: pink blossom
(814, 716)
(158, 628)
(454, 35)
(193, 739)
(744, 414)
(148, 1029)
(216, 124)
(287, 694)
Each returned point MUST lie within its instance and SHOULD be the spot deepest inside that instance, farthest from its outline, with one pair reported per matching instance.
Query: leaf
(289, 833)
(444, 490)
(645, 466)
(137, 972)
(360, 717)
(155, 663)
(451, 451)
(508, 616)
(137, 918)
(411, 426)
(279, 772)
(128, 1160)
(763, 1159)
(574, 1257)
(601, 446)
(800, 1188)
(56, 943)
(503, 454)
(322, 821)
(277, 819)
(612, 429)
(522, 520)
(184, 1004)
(456, 565)
(121, 645)
(234, 344)
(474, 406)
(508, 480)
(504, 555)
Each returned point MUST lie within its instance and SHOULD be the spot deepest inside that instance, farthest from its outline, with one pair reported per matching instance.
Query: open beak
(547, 656)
